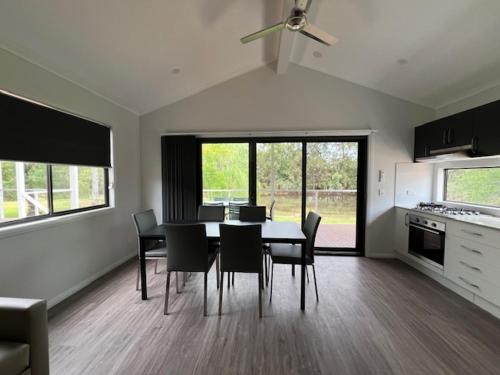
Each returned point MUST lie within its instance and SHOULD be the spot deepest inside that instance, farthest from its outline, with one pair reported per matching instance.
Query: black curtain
(36, 133)
(179, 178)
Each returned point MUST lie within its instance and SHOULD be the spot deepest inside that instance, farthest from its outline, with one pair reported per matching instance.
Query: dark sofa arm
(25, 320)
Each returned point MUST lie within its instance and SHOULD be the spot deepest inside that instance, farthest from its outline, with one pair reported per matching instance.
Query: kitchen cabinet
(402, 232)
(477, 129)
(487, 129)
(472, 258)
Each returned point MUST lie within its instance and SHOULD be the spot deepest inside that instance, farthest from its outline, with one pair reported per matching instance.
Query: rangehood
(449, 153)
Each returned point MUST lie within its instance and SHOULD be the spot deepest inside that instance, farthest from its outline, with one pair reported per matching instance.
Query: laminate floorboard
(374, 317)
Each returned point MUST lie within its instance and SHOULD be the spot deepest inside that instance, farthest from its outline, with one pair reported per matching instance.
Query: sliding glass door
(279, 179)
(295, 176)
(332, 180)
(225, 171)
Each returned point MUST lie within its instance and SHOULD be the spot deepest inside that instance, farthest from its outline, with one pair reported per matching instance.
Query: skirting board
(478, 301)
(381, 255)
(68, 293)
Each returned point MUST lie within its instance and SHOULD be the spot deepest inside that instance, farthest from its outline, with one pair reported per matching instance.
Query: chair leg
(315, 284)
(177, 282)
(184, 278)
(137, 279)
(228, 280)
(293, 270)
(165, 311)
(233, 278)
(260, 294)
(265, 266)
(272, 278)
(217, 269)
(205, 296)
(220, 292)
(156, 266)
(307, 274)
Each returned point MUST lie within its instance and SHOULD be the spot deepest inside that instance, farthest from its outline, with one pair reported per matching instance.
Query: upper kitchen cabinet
(487, 129)
(475, 132)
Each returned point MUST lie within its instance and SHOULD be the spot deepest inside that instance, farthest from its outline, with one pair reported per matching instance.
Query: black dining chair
(234, 209)
(155, 250)
(188, 251)
(256, 214)
(253, 213)
(211, 213)
(271, 210)
(291, 254)
(241, 251)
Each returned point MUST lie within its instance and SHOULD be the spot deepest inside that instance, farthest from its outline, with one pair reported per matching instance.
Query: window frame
(469, 204)
(50, 199)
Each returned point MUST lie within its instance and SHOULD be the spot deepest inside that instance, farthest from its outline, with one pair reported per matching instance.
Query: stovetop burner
(445, 210)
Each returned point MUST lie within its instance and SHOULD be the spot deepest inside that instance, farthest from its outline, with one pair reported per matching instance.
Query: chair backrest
(234, 210)
(253, 213)
(241, 248)
(187, 247)
(271, 210)
(144, 221)
(310, 229)
(211, 213)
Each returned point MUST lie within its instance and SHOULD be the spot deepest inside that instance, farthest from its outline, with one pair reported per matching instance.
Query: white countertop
(482, 220)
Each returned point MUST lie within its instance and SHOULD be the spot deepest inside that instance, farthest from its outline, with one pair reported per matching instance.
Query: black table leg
(303, 278)
(142, 260)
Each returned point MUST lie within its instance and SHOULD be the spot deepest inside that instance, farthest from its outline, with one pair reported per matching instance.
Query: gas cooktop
(443, 209)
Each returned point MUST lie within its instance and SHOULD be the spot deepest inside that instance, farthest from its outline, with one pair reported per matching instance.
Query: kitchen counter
(481, 220)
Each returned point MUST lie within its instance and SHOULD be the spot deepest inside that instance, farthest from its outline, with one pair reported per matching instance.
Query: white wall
(55, 260)
(483, 97)
(301, 100)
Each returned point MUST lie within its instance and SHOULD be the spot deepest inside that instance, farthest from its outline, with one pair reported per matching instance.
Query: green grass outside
(11, 209)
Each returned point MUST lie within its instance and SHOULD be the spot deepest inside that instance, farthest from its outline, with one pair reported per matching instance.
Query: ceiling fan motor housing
(297, 20)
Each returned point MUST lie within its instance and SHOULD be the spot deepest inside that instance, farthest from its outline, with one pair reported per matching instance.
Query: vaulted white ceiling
(129, 51)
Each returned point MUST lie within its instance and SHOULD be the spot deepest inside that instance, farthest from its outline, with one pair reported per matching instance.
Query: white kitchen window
(473, 186)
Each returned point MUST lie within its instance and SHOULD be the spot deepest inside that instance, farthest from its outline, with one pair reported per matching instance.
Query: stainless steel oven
(427, 239)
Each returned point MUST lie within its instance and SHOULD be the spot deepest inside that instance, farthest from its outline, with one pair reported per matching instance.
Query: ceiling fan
(297, 21)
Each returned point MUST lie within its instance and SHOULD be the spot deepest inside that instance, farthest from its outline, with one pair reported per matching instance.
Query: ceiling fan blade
(303, 4)
(318, 35)
(263, 33)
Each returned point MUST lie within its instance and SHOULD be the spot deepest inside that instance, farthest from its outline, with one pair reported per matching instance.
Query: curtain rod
(277, 133)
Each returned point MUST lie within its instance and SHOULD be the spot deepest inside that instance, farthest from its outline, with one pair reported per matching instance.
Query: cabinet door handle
(469, 283)
(474, 268)
(406, 218)
(471, 250)
(449, 138)
(472, 233)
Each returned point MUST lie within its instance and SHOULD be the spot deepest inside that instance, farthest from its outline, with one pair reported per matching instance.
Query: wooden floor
(374, 317)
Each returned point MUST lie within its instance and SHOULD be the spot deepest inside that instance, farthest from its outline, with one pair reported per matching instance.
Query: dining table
(272, 232)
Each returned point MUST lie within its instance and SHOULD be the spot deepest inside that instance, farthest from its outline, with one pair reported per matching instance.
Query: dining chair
(291, 253)
(256, 214)
(234, 209)
(241, 251)
(188, 251)
(271, 210)
(155, 250)
(211, 213)
(253, 213)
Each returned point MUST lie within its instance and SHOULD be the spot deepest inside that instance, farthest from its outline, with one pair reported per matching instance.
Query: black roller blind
(35, 133)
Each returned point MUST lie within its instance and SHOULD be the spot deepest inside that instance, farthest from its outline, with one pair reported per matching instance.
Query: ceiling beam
(287, 39)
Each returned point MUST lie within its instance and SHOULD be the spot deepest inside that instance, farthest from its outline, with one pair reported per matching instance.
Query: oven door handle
(426, 229)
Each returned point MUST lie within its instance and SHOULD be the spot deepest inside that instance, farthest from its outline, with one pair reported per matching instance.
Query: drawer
(476, 233)
(472, 282)
(478, 257)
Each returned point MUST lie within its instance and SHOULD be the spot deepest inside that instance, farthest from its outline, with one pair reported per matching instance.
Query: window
(478, 186)
(25, 192)
(225, 172)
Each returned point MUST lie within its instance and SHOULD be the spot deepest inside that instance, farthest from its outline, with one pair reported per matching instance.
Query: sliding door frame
(361, 202)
